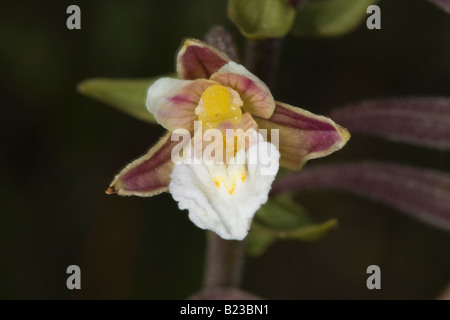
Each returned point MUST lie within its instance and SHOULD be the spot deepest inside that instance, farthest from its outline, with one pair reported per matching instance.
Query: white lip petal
(223, 198)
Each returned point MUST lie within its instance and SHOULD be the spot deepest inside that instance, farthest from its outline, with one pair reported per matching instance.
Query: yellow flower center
(229, 182)
(221, 104)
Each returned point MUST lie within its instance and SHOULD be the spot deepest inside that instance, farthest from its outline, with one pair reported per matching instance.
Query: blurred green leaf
(309, 232)
(282, 213)
(258, 19)
(330, 18)
(283, 218)
(127, 95)
(258, 242)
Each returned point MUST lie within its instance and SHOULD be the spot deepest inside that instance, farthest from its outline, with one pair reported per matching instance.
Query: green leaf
(260, 237)
(283, 218)
(259, 19)
(282, 213)
(258, 242)
(127, 95)
(330, 18)
(310, 232)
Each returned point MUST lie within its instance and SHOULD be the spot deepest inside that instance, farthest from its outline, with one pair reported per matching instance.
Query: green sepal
(126, 95)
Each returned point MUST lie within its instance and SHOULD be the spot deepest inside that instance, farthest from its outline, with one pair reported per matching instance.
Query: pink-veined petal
(148, 175)
(254, 93)
(247, 122)
(172, 101)
(196, 60)
(303, 135)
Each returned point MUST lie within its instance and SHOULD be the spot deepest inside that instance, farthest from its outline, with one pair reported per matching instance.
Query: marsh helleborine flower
(222, 94)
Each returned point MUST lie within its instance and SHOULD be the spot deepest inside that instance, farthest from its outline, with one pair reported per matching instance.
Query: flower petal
(247, 122)
(212, 205)
(196, 60)
(303, 135)
(172, 101)
(254, 93)
(148, 175)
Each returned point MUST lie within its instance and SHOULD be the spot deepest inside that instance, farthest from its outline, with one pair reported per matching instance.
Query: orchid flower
(221, 94)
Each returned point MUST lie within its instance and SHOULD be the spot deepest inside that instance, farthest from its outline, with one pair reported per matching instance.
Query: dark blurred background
(61, 150)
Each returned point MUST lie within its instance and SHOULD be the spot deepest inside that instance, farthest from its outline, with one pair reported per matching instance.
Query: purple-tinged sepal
(148, 175)
(197, 60)
(303, 135)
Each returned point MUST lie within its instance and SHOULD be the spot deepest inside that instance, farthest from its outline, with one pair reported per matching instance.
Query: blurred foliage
(282, 218)
(62, 149)
(259, 19)
(329, 18)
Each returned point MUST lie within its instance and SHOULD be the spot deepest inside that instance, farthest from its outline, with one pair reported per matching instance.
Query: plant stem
(261, 57)
(224, 262)
(222, 40)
